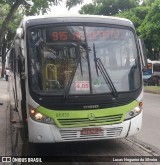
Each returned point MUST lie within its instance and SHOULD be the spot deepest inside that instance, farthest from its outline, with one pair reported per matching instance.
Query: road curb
(144, 147)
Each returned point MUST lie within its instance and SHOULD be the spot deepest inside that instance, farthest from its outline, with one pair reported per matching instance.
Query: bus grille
(86, 121)
(73, 135)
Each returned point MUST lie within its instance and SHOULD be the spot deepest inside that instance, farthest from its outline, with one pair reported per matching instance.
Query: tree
(10, 15)
(10, 32)
(72, 3)
(147, 2)
(108, 7)
(150, 30)
(87, 9)
(136, 15)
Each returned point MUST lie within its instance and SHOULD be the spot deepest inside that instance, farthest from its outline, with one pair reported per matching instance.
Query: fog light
(131, 113)
(47, 119)
(38, 116)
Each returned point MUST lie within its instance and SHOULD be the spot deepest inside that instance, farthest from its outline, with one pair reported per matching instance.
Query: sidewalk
(5, 130)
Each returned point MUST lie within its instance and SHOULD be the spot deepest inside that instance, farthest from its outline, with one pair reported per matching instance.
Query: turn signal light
(32, 111)
(140, 104)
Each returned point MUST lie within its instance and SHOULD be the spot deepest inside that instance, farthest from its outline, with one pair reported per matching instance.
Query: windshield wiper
(79, 57)
(95, 59)
(99, 65)
(78, 61)
(71, 79)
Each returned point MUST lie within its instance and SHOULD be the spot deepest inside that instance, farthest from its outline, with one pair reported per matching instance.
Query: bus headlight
(134, 112)
(37, 116)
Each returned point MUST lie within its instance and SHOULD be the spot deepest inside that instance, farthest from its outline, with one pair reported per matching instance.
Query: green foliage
(13, 24)
(136, 15)
(72, 3)
(38, 6)
(9, 2)
(148, 2)
(3, 12)
(42, 6)
(150, 30)
(108, 7)
(87, 9)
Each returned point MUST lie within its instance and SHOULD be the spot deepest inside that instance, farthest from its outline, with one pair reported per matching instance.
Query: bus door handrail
(54, 71)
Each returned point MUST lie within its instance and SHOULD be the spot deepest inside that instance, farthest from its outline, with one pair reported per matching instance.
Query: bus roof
(48, 19)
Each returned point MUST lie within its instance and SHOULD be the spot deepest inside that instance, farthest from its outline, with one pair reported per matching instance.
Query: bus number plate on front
(90, 131)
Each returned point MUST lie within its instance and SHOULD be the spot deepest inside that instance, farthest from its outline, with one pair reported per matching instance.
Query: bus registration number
(89, 131)
(62, 115)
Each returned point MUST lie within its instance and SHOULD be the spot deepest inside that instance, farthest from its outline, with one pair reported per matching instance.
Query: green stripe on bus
(93, 117)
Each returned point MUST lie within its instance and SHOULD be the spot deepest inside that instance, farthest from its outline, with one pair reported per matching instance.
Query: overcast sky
(61, 9)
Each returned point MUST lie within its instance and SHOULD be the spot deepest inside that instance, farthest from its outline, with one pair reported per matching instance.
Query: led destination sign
(92, 34)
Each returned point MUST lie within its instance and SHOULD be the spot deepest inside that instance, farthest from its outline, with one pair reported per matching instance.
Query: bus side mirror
(19, 33)
(143, 53)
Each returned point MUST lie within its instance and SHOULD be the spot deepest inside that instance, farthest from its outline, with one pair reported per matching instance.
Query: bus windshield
(62, 60)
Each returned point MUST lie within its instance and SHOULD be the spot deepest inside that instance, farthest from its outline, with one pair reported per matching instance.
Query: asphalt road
(149, 135)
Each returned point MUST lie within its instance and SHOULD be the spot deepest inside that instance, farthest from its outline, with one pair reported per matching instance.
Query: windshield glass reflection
(62, 60)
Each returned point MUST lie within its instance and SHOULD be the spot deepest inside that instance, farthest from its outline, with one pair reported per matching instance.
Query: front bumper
(48, 133)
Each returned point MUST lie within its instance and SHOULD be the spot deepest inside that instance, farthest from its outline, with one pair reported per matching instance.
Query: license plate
(90, 131)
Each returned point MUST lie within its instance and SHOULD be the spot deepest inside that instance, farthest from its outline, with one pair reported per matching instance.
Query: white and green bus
(77, 78)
